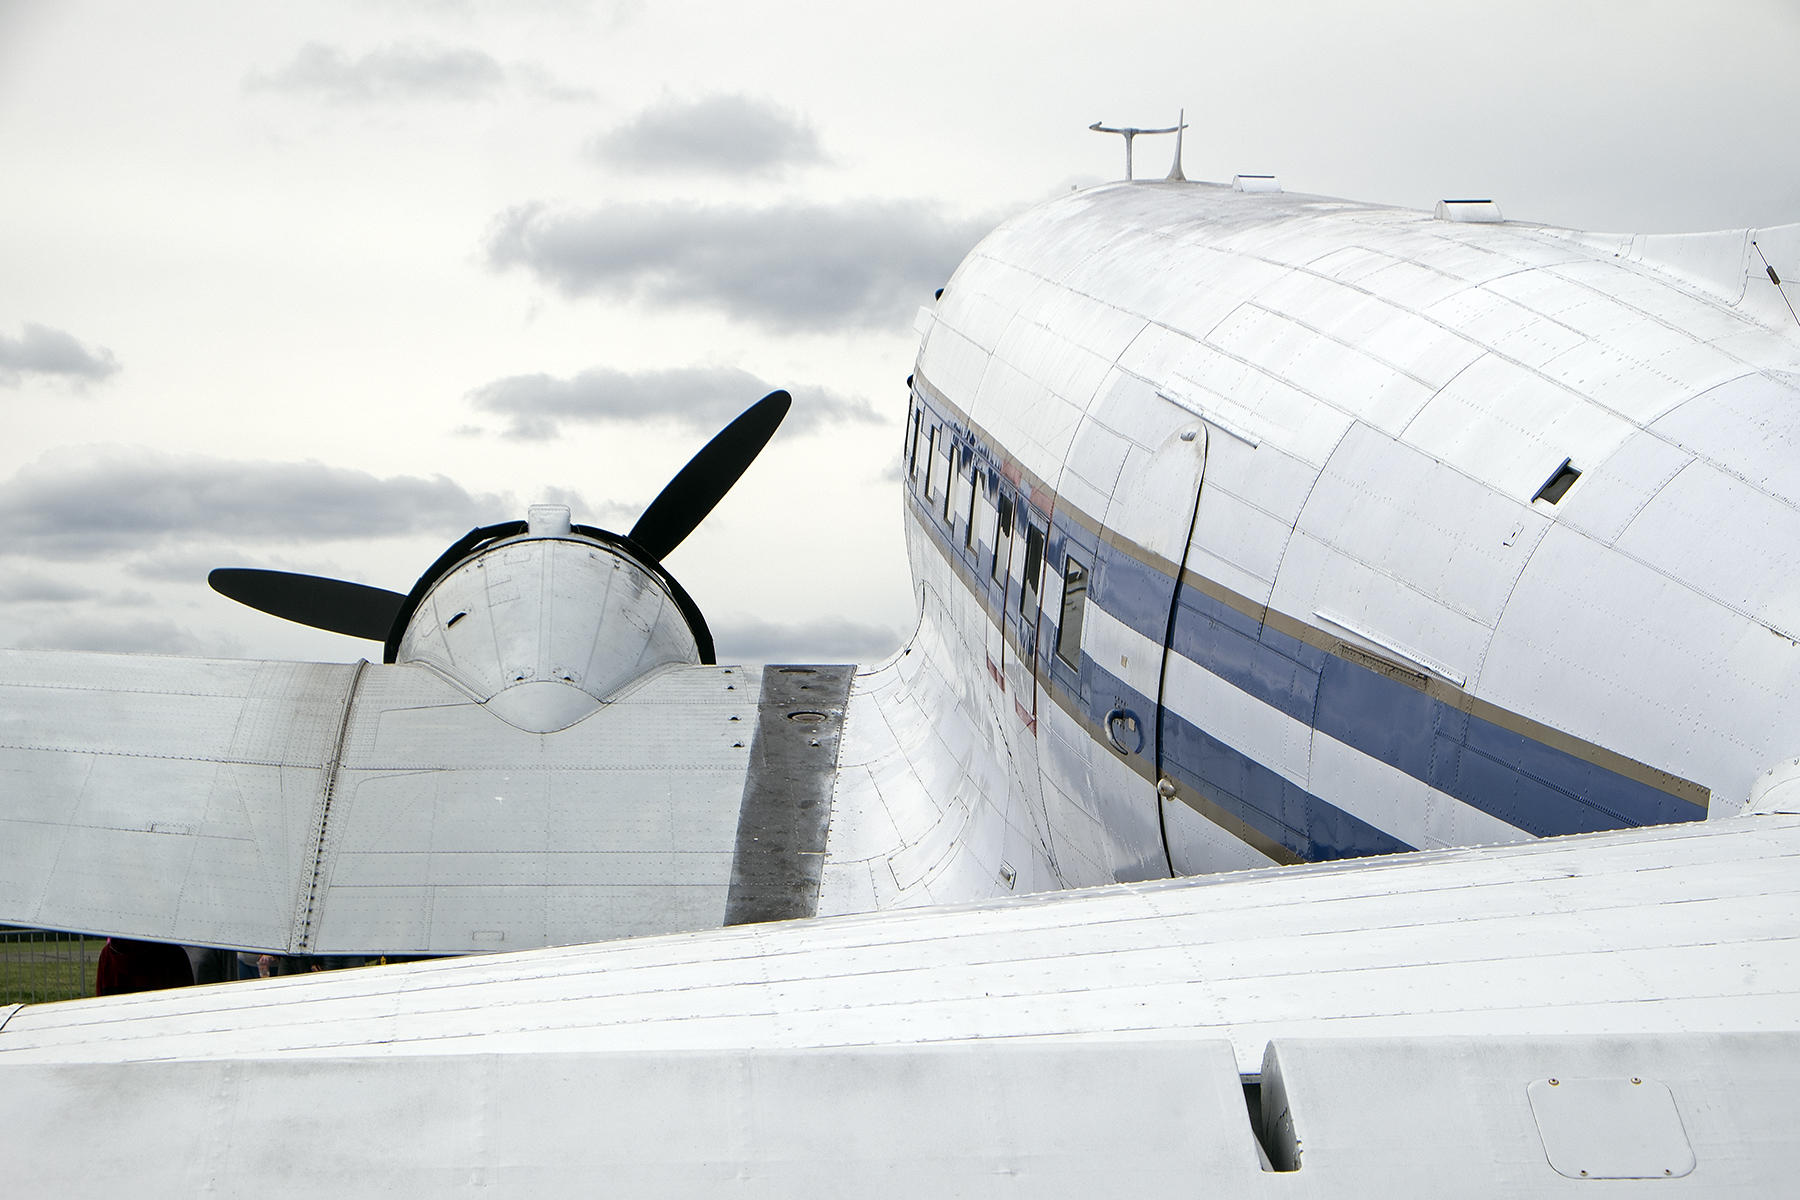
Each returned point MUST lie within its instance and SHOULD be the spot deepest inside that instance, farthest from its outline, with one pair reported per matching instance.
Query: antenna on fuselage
(1129, 133)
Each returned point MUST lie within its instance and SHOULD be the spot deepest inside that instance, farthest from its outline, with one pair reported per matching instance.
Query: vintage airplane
(1249, 530)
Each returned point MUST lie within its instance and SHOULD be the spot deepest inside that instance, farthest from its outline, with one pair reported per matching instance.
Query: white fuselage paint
(1384, 640)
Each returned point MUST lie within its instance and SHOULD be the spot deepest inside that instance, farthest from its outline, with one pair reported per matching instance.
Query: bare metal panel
(1679, 929)
(158, 797)
(453, 830)
(988, 1119)
(1651, 1115)
(212, 803)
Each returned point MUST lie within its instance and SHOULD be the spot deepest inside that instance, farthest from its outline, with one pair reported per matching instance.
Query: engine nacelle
(544, 627)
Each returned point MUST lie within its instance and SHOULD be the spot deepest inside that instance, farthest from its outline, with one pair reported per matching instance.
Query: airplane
(1349, 706)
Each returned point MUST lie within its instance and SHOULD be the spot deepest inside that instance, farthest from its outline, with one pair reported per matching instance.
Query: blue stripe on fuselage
(1510, 775)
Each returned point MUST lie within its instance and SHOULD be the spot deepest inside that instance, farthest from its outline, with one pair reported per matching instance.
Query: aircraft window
(1034, 564)
(969, 529)
(1074, 607)
(950, 485)
(1002, 534)
(930, 461)
(1559, 483)
(912, 453)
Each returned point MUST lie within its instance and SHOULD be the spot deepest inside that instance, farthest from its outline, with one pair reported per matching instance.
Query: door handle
(1124, 731)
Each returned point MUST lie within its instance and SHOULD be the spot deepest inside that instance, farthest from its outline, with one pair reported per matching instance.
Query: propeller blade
(698, 487)
(330, 604)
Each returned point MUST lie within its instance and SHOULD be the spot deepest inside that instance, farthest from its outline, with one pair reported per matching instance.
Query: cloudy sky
(321, 286)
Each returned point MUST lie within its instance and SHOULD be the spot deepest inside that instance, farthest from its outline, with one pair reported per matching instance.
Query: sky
(320, 287)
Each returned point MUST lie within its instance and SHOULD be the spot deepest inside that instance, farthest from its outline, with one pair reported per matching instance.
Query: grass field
(36, 968)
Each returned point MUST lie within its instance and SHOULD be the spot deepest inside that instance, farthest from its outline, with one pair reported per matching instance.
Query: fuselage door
(1149, 523)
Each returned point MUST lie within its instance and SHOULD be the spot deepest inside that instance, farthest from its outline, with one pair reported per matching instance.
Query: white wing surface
(1401, 1021)
(162, 798)
(341, 809)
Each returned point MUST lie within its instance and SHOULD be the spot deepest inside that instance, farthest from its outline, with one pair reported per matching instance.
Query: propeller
(358, 610)
(330, 604)
(698, 487)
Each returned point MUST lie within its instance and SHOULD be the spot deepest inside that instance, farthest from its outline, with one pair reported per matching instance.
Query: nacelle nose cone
(542, 705)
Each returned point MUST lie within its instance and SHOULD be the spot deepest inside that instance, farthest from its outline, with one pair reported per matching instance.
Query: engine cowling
(544, 627)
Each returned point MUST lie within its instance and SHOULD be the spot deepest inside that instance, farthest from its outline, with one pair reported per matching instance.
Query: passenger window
(1034, 565)
(930, 461)
(1002, 535)
(1074, 607)
(912, 452)
(969, 529)
(950, 485)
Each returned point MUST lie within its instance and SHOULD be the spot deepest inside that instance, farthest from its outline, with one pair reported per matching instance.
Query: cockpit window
(1074, 607)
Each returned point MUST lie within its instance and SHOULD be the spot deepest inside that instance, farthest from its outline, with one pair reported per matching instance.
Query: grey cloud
(402, 71)
(190, 564)
(863, 264)
(129, 637)
(26, 588)
(702, 398)
(833, 640)
(41, 350)
(733, 135)
(75, 507)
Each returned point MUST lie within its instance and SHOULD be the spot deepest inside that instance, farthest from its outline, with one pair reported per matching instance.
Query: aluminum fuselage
(1354, 529)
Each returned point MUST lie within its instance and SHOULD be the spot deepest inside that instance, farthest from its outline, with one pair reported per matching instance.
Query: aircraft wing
(359, 808)
(1518, 1020)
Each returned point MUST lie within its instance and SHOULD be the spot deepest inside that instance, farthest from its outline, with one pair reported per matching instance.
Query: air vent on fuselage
(1559, 483)
(1482, 212)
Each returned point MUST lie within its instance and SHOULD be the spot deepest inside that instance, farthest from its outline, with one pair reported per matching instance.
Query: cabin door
(1150, 522)
(1180, 821)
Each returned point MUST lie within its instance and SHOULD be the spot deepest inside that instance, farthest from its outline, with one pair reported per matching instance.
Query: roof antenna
(1175, 174)
(1128, 134)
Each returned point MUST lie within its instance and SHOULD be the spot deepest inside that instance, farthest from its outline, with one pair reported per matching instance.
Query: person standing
(132, 966)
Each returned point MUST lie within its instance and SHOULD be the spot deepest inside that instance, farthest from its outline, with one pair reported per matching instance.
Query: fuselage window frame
(950, 486)
(1034, 568)
(1074, 610)
(912, 450)
(1003, 518)
(930, 461)
(974, 490)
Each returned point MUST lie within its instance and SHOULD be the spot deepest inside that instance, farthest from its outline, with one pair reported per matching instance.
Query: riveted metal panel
(452, 830)
(161, 798)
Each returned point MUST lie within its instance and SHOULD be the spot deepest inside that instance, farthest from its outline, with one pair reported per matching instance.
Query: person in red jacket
(129, 966)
